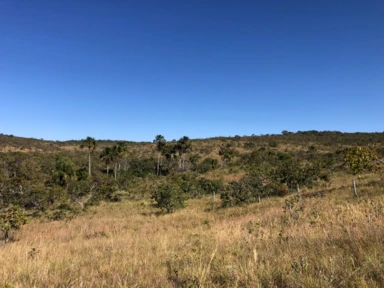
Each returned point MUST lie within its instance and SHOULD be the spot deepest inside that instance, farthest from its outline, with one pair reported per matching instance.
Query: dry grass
(336, 241)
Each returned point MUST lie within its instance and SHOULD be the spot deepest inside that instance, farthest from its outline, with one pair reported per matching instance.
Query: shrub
(11, 218)
(208, 164)
(237, 193)
(169, 197)
(210, 186)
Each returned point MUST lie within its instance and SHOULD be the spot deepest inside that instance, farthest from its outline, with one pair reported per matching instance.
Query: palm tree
(107, 156)
(118, 150)
(160, 146)
(90, 143)
(182, 147)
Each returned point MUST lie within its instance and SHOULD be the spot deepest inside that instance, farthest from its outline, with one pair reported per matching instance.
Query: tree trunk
(6, 235)
(107, 169)
(89, 164)
(115, 170)
(158, 165)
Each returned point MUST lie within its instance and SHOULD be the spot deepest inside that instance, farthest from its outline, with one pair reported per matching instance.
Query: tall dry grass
(335, 241)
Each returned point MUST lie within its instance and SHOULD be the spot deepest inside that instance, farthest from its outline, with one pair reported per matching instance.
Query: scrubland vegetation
(256, 211)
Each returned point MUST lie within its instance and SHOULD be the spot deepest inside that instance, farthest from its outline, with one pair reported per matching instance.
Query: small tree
(359, 159)
(90, 143)
(160, 146)
(118, 152)
(107, 156)
(65, 170)
(210, 186)
(236, 194)
(11, 218)
(182, 146)
(226, 153)
(169, 197)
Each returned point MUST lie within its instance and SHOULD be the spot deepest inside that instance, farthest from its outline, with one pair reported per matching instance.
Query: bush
(11, 218)
(210, 186)
(208, 164)
(169, 197)
(237, 193)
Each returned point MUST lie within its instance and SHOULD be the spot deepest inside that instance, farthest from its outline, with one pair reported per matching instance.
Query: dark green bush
(208, 164)
(237, 193)
(207, 186)
(169, 197)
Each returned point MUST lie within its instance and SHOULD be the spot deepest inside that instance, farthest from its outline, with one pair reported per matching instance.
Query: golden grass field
(336, 241)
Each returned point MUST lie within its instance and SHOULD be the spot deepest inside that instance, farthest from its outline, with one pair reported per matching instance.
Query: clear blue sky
(133, 69)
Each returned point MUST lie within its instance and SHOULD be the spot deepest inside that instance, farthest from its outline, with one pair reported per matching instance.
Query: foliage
(238, 193)
(107, 156)
(65, 170)
(169, 197)
(91, 144)
(208, 186)
(39, 175)
(292, 172)
(226, 153)
(11, 218)
(208, 164)
(291, 205)
(358, 159)
(141, 167)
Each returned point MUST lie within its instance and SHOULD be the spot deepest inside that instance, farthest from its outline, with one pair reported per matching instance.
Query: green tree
(107, 156)
(169, 197)
(210, 186)
(226, 153)
(358, 159)
(65, 170)
(118, 151)
(182, 146)
(11, 218)
(89, 143)
(237, 193)
(160, 147)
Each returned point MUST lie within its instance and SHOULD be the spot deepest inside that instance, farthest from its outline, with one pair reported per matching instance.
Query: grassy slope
(336, 241)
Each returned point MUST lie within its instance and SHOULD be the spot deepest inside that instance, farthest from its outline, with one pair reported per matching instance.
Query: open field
(335, 240)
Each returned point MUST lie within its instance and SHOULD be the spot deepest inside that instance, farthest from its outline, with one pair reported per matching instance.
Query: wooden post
(354, 187)
(298, 189)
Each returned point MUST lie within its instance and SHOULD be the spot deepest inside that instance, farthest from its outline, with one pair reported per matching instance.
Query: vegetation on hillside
(267, 211)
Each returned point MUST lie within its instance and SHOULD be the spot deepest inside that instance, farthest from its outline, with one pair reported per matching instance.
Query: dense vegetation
(282, 176)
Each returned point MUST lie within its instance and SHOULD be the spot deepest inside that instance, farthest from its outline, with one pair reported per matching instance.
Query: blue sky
(133, 69)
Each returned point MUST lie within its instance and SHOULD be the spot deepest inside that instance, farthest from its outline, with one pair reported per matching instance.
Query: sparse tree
(182, 146)
(11, 218)
(226, 153)
(107, 156)
(359, 159)
(160, 147)
(89, 143)
(169, 197)
(65, 170)
(118, 151)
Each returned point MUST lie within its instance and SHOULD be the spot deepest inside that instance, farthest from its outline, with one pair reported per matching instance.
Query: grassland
(331, 239)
